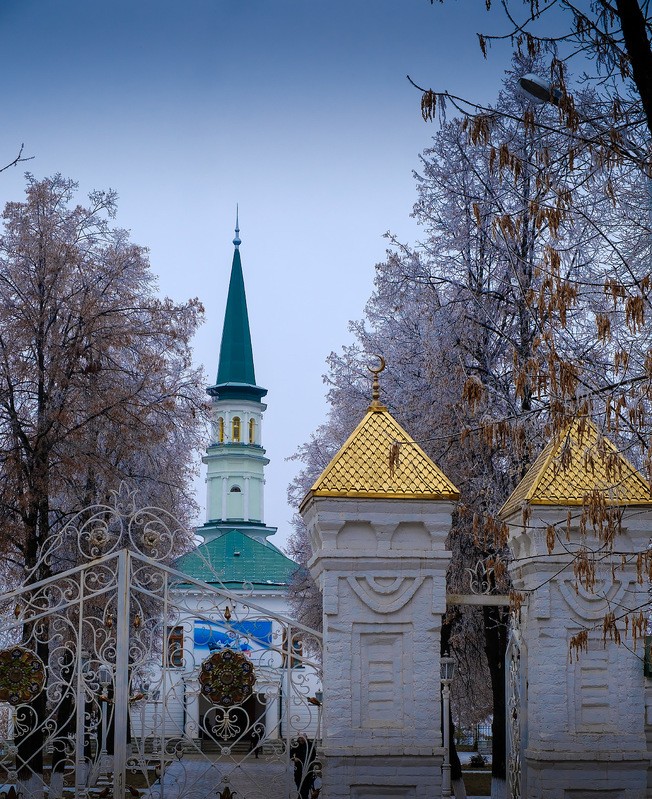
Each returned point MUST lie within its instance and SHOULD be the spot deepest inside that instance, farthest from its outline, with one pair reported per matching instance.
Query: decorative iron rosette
(227, 678)
(22, 675)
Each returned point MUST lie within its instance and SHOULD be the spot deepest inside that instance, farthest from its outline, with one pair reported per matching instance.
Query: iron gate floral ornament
(22, 675)
(227, 678)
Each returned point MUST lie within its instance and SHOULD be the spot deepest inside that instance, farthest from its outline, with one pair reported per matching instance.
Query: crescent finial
(379, 368)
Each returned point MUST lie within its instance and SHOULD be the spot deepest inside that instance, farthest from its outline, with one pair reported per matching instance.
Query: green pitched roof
(235, 372)
(235, 558)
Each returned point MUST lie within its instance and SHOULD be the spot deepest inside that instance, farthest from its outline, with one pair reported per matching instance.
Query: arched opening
(235, 429)
(220, 430)
(252, 431)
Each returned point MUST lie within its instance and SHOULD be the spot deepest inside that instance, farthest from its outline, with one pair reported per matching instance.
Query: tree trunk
(637, 44)
(31, 735)
(30, 738)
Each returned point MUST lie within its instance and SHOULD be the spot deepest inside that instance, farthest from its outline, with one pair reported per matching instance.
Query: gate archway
(482, 594)
(116, 694)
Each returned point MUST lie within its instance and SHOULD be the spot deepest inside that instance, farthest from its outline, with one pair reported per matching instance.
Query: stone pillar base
(386, 777)
(621, 776)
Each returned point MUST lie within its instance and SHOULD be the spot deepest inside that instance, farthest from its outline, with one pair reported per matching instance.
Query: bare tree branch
(18, 159)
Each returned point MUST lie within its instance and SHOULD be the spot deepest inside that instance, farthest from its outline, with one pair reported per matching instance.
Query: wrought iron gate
(121, 677)
(515, 663)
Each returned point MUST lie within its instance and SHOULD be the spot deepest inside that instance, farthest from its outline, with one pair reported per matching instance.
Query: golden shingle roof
(575, 464)
(362, 467)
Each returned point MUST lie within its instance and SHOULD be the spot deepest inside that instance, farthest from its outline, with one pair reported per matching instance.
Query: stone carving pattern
(384, 594)
(592, 606)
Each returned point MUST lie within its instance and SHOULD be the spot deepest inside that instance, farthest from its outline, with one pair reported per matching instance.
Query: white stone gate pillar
(378, 535)
(585, 731)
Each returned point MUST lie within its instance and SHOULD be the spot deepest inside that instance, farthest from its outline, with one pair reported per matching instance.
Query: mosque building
(245, 609)
(235, 544)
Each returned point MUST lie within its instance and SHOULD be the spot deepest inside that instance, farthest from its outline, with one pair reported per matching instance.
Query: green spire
(236, 355)
(235, 372)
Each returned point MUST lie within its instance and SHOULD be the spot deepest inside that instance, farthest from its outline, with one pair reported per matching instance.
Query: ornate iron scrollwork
(481, 576)
(514, 719)
(121, 642)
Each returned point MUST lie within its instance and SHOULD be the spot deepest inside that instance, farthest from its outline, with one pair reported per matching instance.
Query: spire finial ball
(237, 241)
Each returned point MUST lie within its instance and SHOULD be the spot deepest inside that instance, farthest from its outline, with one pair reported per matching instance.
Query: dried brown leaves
(473, 392)
(428, 105)
(579, 643)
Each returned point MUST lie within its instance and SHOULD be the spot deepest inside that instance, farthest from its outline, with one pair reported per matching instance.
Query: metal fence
(477, 738)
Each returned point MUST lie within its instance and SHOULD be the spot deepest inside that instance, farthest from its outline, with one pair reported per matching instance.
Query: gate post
(121, 688)
(378, 519)
(585, 706)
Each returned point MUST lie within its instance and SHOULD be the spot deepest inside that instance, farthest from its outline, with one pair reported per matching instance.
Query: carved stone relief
(385, 594)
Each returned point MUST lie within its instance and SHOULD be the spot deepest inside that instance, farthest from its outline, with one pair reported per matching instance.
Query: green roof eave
(239, 586)
(238, 391)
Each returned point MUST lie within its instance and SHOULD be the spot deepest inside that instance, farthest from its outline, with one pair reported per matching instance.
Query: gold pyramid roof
(572, 466)
(379, 460)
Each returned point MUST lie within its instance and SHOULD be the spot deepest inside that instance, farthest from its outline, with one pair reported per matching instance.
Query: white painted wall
(586, 713)
(382, 567)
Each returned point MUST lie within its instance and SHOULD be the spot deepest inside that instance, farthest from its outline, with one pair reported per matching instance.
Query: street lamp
(447, 672)
(539, 89)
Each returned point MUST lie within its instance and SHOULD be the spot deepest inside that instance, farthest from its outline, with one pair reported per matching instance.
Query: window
(235, 489)
(220, 430)
(175, 647)
(235, 429)
(252, 431)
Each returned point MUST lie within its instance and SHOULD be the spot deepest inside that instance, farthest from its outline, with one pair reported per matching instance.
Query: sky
(297, 110)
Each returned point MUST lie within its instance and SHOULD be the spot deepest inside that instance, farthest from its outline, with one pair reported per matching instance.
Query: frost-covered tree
(96, 382)
(607, 44)
(508, 319)
(96, 385)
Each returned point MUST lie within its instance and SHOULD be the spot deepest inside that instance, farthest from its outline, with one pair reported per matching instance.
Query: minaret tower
(235, 457)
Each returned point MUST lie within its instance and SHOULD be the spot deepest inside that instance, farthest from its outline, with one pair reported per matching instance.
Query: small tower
(235, 458)
(584, 702)
(378, 517)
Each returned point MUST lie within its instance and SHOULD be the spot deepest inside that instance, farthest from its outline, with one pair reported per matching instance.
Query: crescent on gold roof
(378, 369)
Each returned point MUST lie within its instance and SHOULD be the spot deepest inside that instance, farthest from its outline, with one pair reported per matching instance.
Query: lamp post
(447, 666)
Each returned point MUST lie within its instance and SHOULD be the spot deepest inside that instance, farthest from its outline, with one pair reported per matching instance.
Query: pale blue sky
(296, 109)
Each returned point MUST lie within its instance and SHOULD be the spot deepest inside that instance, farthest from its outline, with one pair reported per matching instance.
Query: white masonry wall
(585, 714)
(382, 568)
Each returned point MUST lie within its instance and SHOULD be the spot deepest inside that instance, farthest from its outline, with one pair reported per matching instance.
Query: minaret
(235, 457)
